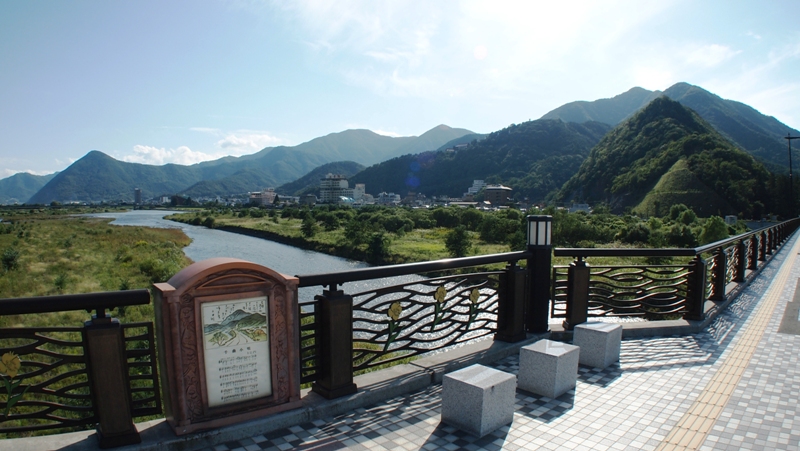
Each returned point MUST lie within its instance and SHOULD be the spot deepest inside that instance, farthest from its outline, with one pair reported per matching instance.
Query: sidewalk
(734, 386)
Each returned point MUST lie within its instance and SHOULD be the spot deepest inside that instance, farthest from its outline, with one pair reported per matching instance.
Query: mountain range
(98, 177)
(760, 135)
(600, 151)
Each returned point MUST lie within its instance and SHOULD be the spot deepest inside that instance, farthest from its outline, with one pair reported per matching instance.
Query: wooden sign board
(228, 344)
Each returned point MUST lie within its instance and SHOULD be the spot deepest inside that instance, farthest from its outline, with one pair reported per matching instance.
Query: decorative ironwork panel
(653, 292)
(49, 387)
(309, 349)
(711, 269)
(558, 306)
(140, 352)
(394, 323)
(732, 259)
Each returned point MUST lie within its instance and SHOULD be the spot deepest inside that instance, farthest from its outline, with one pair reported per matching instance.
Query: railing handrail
(313, 280)
(664, 252)
(621, 252)
(68, 302)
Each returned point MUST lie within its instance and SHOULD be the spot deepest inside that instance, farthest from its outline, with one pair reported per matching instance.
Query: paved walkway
(734, 386)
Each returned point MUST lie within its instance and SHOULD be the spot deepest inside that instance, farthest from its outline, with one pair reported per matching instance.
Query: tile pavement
(633, 404)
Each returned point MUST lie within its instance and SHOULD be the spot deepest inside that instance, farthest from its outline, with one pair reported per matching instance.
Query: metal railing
(650, 291)
(103, 373)
(344, 334)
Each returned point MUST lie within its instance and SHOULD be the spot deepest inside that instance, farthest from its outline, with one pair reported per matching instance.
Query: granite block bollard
(548, 368)
(478, 399)
(599, 342)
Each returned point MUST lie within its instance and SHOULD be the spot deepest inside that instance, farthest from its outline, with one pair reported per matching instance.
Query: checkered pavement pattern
(632, 405)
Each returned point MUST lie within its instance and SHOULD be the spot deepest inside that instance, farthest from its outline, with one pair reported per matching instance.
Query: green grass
(415, 246)
(59, 254)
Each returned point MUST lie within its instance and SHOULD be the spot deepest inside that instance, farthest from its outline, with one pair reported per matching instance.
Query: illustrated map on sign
(235, 323)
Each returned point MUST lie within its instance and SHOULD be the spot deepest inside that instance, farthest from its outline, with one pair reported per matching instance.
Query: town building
(333, 187)
(388, 198)
(263, 197)
(497, 194)
(359, 191)
(477, 185)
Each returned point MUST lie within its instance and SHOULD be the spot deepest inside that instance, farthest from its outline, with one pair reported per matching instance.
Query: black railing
(710, 272)
(103, 373)
(344, 334)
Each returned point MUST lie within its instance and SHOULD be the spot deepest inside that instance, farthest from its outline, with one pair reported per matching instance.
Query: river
(208, 243)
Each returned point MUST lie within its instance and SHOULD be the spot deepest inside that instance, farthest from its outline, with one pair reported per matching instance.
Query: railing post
(108, 374)
(762, 246)
(752, 260)
(696, 290)
(511, 305)
(741, 262)
(335, 345)
(770, 241)
(718, 277)
(577, 293)
(539, 268)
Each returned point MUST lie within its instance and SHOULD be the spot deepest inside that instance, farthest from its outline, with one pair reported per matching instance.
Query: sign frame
(179, 321)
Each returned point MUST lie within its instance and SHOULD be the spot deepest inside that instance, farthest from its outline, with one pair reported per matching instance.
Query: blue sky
(186, 81)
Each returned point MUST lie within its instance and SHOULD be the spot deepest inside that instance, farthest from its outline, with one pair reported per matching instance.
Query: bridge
(707, 361)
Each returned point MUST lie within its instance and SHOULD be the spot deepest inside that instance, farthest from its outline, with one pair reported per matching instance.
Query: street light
(789, 139)
(540, 231)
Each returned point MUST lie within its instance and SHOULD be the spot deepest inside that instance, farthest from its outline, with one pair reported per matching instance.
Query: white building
(333, 187)
(263, 197)
(388, 198)
(477, 185)
(359, 191)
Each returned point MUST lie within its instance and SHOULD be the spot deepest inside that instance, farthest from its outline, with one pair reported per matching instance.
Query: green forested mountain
(654, 149)
(20, 187)
(534, 158)
(310, 181)
(610, 111)
(97, 177)
(760, 135)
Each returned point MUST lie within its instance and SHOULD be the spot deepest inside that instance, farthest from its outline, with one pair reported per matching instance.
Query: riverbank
(406, 247)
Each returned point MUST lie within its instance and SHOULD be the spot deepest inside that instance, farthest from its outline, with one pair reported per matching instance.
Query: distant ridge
(760, 135)
(99, 177)
(534, 157)
(646, 150)
(20, 187)
(610, 111)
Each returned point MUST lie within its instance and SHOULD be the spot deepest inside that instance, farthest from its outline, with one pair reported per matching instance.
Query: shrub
(10, 259)
(714, 229)
(458, 242)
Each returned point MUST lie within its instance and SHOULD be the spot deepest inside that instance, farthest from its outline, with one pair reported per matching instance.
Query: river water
(209, 243)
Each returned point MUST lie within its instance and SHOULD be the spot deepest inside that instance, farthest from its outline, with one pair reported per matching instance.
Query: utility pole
(789, 139)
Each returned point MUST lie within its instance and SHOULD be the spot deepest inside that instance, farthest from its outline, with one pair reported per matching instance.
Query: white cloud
(160, 156)
(710, 55)
(245, 143)
(470, 48)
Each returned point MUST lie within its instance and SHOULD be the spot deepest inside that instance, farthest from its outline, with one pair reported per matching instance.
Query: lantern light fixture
(540, 230)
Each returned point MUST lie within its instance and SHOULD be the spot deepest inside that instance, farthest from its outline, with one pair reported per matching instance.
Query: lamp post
(789, 139)
(540, 230)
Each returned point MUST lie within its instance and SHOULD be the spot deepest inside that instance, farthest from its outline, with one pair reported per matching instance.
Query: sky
(182, 82)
